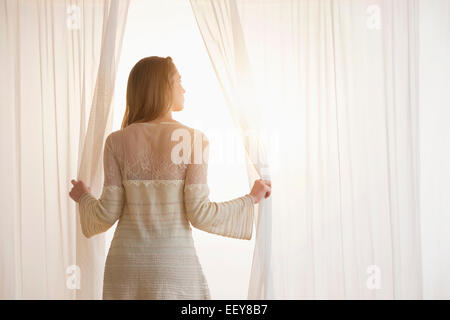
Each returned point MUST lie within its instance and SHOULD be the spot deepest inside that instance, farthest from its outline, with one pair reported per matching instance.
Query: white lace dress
(157, 190)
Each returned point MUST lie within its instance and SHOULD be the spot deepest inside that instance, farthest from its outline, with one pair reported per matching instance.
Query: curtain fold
(220, 26)
(335, 87)
(58, 61)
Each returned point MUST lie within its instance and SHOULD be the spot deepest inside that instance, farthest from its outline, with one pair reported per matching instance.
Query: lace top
(167, 153)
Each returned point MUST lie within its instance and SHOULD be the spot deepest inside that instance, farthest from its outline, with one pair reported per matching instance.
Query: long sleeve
(98, 215)
(232, 218)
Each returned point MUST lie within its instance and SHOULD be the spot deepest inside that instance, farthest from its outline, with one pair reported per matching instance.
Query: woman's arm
(232, 218)
(98, 215)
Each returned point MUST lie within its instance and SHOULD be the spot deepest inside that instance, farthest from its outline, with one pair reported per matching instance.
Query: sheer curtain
(231, 64)
(58, 62)
(333, 87)
(434, 142)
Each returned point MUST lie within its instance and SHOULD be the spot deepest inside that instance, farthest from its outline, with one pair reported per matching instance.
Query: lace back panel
(144, 152)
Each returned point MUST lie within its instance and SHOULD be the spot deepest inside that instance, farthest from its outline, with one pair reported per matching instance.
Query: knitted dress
(155, 186)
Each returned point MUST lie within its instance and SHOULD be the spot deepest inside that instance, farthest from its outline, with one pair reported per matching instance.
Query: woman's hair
(149, 90)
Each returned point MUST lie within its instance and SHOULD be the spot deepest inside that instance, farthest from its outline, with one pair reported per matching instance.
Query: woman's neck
(166, 117)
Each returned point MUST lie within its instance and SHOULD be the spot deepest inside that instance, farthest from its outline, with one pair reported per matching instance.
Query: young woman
(155, 185)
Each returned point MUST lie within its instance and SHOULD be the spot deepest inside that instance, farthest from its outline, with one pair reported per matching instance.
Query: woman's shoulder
(191, 130)
(113, 136)
(174, 127)
(112, 142)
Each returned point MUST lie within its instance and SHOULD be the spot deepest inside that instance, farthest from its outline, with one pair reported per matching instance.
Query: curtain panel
(58, 61)
(335, 87)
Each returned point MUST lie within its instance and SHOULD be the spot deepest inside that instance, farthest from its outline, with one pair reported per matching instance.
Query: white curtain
(230, 61)
(58, 62)
(434, 146)
(332, 88)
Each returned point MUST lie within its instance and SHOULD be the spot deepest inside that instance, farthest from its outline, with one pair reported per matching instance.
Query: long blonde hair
(149, 90)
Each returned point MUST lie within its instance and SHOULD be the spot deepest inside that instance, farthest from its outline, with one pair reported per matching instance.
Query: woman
(155, 185)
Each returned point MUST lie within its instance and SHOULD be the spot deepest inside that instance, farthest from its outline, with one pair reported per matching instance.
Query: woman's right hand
(261, 189)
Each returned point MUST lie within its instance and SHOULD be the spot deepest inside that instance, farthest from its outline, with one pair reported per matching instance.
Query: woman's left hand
(78, 189)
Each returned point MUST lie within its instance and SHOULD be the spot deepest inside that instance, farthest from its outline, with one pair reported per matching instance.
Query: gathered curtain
(58, 61)
(330, 91)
